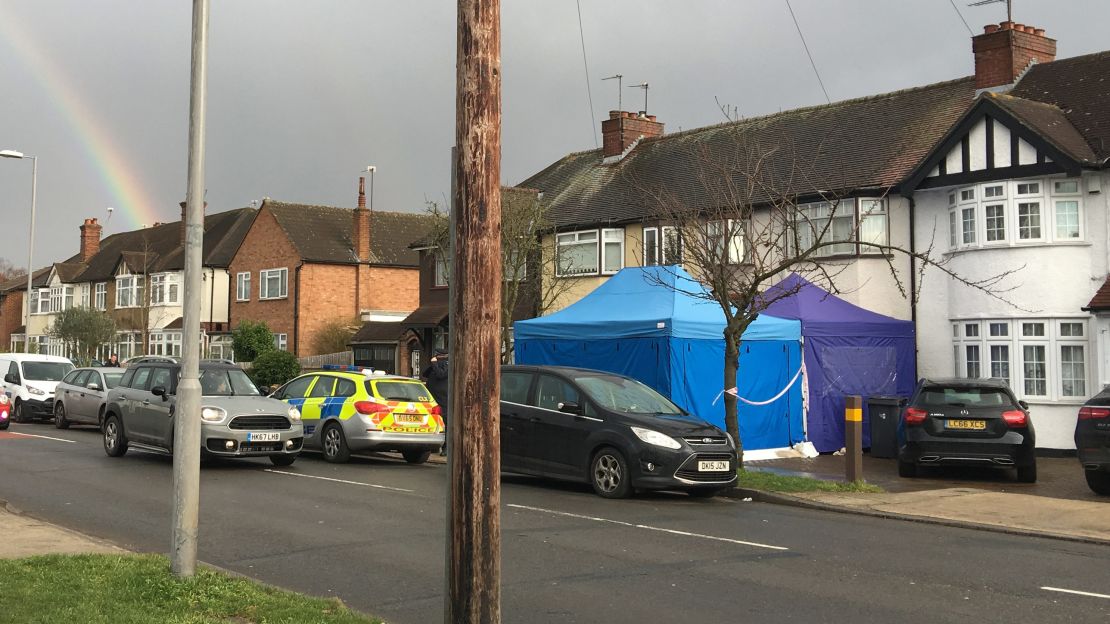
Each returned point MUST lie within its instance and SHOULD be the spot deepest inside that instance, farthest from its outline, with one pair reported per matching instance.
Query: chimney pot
(989, 28)
(1007, 25)
(615, 114)
(623, 128)
(1002, 54)
(1039, 32)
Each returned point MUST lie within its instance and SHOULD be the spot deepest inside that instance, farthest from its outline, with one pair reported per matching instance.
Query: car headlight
(656, 438)
(294, 413)
(35, 391)
(213, 414)
(3, 399)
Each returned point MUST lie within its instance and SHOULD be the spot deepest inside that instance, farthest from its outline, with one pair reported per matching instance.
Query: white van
(29, 381)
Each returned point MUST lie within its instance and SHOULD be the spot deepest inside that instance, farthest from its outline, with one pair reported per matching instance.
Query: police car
(346, 409)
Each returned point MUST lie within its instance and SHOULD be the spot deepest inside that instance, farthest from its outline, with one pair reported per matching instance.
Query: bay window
(843, 223)
(1015, 212)
(129, 291)
(1051, 355)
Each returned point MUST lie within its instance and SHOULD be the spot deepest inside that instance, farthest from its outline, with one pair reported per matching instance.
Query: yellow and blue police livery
(347, 409)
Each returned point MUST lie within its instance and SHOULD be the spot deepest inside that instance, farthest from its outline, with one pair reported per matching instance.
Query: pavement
(987, 499)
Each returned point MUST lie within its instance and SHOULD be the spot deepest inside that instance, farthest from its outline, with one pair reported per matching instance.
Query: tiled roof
(1048, 121)
(1101, 300)
(427, 315)
(871, 142)
(1080, 88)
(323, 233)
(162, 247)
(378, 331)
(68, 271)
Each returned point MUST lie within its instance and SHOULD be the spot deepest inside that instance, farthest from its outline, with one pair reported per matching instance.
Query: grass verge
(773, 482)
(134, 589)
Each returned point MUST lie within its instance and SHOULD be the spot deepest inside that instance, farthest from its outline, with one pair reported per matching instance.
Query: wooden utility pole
(473, 593)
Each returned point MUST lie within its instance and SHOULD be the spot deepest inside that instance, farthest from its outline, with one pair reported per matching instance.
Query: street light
(30, 240)
(371, 169)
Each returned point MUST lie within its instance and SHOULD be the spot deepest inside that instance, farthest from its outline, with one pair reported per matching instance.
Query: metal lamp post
(30, 240)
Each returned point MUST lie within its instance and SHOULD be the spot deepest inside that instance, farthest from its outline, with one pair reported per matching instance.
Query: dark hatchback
(971, 422)
(1092, 441)
(610, 431)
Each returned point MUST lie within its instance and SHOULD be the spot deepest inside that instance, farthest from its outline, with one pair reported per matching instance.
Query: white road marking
(307, 476)
(32, 435)
(1076, 592)
(647, 527)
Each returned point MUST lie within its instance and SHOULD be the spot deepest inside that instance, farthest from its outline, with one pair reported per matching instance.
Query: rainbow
(127, 192)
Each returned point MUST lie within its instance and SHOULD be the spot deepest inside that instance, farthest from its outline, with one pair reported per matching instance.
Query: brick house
(301, 267)
(12, 311)
(1002, 169)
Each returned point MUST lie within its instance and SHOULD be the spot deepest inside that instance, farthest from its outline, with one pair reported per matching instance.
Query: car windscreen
(963, 396)
(626, 395)
(111, 380)
(46, 371)
(402, 391)
(226, 382)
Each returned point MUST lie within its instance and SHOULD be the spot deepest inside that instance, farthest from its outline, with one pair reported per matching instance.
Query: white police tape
(778, 396)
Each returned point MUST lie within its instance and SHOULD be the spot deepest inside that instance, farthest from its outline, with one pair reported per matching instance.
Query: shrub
(334, 336)
(274, 368)
(250, 340)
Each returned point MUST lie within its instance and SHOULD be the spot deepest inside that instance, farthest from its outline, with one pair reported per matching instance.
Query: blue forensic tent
(848, 351)
(642, 323)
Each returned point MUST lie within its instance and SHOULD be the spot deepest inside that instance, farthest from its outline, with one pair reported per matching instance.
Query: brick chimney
(184, 205)
(622, 129)
(90, 239)
(1006, 50)
(360, 224)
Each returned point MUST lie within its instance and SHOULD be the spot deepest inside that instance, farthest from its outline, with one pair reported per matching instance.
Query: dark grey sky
(304, 95)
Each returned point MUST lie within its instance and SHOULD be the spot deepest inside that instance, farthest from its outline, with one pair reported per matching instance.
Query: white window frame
(84, 297)
(442, 270)
(100, 296)
(611, 237)
(243, 286)
(1010, 334)
(578, 238)
(132, 285)
(281, 341)
(165, 289)
(667, 234)
(651, 247)
(1043, 193)
(282, 274)
(57, 300)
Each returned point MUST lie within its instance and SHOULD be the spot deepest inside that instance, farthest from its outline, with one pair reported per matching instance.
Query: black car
(1092, 441)
(976, 422)
(610, 431)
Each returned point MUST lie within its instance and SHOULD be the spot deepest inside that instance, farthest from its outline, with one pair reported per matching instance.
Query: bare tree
(742, 226)
(524, 259)
(10, 271)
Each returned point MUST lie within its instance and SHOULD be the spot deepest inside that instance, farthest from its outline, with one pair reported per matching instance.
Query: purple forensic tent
(847, 350)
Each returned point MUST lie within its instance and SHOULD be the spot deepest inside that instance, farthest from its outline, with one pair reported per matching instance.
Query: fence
(343, 358)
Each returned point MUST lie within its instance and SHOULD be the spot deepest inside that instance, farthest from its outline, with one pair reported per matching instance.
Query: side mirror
(92, 385)
(1023, 405)
(570, 408)
(159, 391)
(11, 378)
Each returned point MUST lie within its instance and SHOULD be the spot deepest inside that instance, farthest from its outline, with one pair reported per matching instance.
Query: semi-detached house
(302, 267)
(1004, 169)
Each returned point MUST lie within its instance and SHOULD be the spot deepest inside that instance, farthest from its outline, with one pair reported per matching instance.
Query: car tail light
(1093, 413)
(436, 410)
(369, 408)
(915, 416)
(1014, 418)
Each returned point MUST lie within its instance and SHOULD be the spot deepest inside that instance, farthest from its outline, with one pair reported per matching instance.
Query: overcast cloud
(304, 95)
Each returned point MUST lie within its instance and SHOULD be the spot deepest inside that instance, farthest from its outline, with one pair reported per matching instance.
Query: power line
(804, 45)
(957, 10)
(586, 66)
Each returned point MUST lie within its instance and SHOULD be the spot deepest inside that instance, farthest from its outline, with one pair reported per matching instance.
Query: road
(372, 533)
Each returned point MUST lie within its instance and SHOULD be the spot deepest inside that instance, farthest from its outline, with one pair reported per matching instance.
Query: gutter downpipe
(297, 309)
(913, 272)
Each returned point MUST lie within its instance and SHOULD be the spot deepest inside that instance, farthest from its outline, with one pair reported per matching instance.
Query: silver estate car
(81, 396)
(237, 421)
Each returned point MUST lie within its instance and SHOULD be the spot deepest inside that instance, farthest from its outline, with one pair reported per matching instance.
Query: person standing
(436, 377)
(113, 360)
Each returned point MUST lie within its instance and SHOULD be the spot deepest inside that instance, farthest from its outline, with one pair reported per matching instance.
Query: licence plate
(975, 425)
(712, 466)
(263, 437)
(408, 419)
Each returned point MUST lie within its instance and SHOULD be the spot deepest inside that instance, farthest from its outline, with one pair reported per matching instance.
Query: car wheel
(1099, 481)
(60, 416)
(704, 492)
(907, 469)
(609, 474)
(334, 444)
(416, 457)
(115, 440)
(1027, 474)
(17, 413)
(283, 460)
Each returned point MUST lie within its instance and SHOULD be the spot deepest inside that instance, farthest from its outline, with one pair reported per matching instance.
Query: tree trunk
(732, 364)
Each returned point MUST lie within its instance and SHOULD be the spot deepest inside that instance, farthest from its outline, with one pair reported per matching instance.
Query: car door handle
(146, 402)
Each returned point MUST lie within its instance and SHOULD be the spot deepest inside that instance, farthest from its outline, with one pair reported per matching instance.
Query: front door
(137, 422)
(159, 407)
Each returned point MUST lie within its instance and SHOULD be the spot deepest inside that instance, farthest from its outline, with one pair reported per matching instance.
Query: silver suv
(236, 420)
